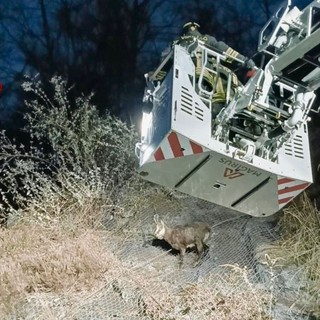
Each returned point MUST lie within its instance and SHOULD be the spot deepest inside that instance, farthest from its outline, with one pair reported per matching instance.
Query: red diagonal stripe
(158, 155)
(285, 200)
(196, 148)
(293, 188)
(284, 180)
(175, 145)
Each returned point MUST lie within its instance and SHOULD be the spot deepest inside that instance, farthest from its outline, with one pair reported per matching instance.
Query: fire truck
(224, 159)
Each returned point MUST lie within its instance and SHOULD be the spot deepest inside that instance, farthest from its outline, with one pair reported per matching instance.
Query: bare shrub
(69, 142)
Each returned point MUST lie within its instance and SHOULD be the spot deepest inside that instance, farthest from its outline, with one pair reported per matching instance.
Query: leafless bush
(70, 147)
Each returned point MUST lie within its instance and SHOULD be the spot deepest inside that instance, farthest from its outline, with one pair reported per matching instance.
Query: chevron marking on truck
(175, 146)
(288, 189)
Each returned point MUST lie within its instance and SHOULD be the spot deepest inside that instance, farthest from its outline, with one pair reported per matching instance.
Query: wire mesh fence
(236, 279)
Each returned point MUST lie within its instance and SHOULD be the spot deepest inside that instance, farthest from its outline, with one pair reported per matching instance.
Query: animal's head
(160, 227)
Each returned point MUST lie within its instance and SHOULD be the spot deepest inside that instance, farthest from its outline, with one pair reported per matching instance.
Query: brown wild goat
(192, 235)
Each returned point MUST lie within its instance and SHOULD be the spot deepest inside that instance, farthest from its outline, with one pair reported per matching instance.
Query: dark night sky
(12, 61)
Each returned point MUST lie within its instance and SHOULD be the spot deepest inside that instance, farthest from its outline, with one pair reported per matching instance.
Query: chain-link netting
(236, 279)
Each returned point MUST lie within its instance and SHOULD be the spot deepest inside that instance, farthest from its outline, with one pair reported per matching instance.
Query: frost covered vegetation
(72, 152)
(62, 193)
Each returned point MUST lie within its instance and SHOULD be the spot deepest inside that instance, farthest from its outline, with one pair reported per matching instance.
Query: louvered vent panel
(198, 111)
(295, 148)
(186, 101)
(189, 106)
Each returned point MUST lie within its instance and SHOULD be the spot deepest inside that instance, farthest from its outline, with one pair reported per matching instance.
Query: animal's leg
(200, 250)
(182, 253)
(205, 249)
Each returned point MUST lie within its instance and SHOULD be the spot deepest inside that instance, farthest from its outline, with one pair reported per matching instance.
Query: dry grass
(139, 196)
(301, 244)
(58, 247)
(39, 258)
(299, 248)
(58, 244)
(65, 255)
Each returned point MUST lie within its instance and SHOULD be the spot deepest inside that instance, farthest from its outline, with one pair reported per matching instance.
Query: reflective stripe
(231, 54)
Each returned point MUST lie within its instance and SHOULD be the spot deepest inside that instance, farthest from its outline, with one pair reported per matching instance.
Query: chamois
(193, 235)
